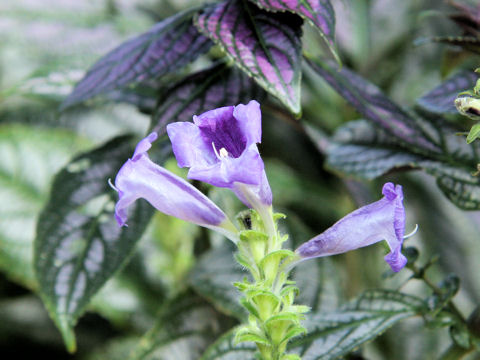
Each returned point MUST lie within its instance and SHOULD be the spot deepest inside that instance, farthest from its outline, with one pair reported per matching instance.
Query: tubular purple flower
(381, 220)
(220, 148)
(139, 177)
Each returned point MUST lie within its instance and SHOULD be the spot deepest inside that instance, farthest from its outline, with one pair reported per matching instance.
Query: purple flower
(220, 148)
(139, 177)
(381, 220)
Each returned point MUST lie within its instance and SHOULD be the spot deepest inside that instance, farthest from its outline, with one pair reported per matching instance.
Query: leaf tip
(67, 332)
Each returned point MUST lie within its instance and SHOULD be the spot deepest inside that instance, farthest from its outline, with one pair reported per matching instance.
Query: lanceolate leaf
(265, 45)
(440, 100)
(168, 46)
(333, 335)
(30, 158)
(368, 100)
(320, 13)
(360, 149)
(220, 85)
(79, 245)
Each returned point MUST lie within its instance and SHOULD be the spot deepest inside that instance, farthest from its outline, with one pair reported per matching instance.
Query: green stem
(269, 298)
(420, 274)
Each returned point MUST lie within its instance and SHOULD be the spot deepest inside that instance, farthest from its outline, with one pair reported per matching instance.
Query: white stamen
(223, 153)
(215, 151)
(412, 233)
(111, 185)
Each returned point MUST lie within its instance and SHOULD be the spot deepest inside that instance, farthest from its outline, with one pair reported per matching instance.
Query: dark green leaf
(266, 46)
(220, 85)
(441, 99)
(183, 330)
(334, 334)
(396, 140)
(369, 101)
(359, 149)
(213, 277)
(79, 245)
(225, 349)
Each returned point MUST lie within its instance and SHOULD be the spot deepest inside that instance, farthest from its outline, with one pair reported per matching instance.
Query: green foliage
(79, 244)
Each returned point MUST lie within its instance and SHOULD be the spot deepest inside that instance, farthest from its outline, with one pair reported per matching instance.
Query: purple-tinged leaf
(319, 13)
(166, 47)
(369, 101)
(266, 46)
(470, 43)
(364, 151)
(79, 245)
(220, 85)
(441, 99)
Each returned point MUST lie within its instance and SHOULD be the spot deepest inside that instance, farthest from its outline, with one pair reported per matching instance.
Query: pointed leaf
(334, 334)
(30, 158)
(474, 133)
(166, 47)
(441, 99)
(470, 43)
(319, 13)
(220, 85)
(369, 101)
(361, 150)
(266, 46)
(79, 245)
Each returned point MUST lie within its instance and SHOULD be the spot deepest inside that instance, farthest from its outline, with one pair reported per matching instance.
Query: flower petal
(249, 118)
(139, 177)
(381, 220)
(220, 149)
(188, 145)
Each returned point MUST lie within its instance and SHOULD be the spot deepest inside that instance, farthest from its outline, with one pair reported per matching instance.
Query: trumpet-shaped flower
(381, 220)
(220, 148)
(139, 177)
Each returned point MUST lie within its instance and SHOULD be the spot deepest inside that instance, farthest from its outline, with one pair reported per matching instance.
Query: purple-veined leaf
(369, 101)
(166, 47)
(266, 46)
(220, 85)
(319, 13)
(365, 151)
(440, 100)
(79, 245)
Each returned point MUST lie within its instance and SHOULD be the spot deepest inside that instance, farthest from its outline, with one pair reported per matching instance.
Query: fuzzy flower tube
(220, 148)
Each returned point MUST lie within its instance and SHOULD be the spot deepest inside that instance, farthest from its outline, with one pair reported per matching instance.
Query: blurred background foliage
(47, 45)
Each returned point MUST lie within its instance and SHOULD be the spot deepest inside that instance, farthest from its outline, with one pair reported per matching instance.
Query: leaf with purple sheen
(319, 13)
(364, 151)
(440, 100)
(220, 85)
(266, 46)
(78, 245)
(369, 101)
(166, 47)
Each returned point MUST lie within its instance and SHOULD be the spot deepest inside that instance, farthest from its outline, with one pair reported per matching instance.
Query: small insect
(468, 106)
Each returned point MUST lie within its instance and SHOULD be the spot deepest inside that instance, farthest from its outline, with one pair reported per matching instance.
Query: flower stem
(273, 319)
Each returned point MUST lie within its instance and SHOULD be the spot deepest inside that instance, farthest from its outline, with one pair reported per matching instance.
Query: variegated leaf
(266, 46)
(168, 46)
